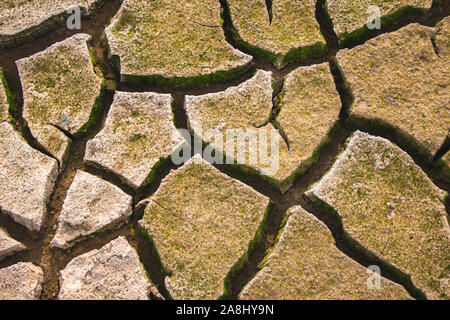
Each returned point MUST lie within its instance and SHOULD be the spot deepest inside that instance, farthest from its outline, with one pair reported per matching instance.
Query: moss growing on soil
(350, 17)
(203, 224)
(398, 81)
(138, 137)
(6, 99)
(62, 93)
(320, 271)
(391, 209)
(291, 33)
(34, 18)
(172, 43)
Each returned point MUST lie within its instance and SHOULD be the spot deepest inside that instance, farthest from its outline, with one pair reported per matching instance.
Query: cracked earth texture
(92, 207)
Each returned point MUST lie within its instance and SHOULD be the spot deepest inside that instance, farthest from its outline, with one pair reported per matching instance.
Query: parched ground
(95, 203)
(406, 86)
(391, 208)
(350, 17)
(295, 263)
(148, 40)
(281, 30)
(22, 20)
(28, 177)
(60, 93)
(202, 223)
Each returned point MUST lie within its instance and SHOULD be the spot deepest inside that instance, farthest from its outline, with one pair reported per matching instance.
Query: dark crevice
(282, 133)
(439, 10)
(348, 248)
(149, 258)
(227, 23)
(16, 230)
(251, 267)
(151, 188)
(326, 27)
(63, 131)
(108, 176)
(269, 4)
(447, 208)
(342, 88)
(25, 132)
(53, 260)
(277, 105)
(435, 48)
(23, 235)
(427, 18)
(443, 149)
(282, 202)
(181, 122)
(16, 114)
(179, 113)
(177, 93)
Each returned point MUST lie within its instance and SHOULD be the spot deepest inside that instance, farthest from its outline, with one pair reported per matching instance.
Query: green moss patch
(319, 271)
(398, 80)
(289, 32)
(391, 209)
(173, 43)
(203, 224)
(61, 91)
(6, 99)
(350, 17)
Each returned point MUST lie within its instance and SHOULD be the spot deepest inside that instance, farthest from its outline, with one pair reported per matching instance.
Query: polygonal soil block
(138, 137)
(21, 281)
(279, 30)
(389, 206)
(61, 93)
(401, 88)
(24, 20)
(179, 43)
(354, 19)
(8, 245)
(203, 224)
(305, 264)
(27, 178)
(91, 205)
(112, 272)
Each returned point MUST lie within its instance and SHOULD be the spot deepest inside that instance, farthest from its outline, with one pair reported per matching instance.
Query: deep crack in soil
(52, 260)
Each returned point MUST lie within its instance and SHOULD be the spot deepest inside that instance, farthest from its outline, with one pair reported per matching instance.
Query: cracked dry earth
(92, 207)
